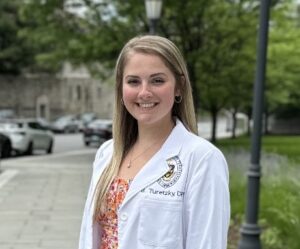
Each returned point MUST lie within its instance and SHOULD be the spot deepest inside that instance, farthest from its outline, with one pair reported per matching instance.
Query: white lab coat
(179, 199)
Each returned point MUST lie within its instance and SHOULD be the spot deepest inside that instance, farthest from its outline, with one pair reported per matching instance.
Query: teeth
(146, 105)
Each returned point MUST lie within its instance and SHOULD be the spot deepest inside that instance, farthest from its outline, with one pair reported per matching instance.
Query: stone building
(50, 96)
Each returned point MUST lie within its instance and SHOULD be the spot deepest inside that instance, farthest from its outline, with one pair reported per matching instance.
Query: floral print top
(109, 219)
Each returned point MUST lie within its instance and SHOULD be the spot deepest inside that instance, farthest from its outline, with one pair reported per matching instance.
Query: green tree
(213, 36)
(229, 61)
(283, 75)
(15, 52)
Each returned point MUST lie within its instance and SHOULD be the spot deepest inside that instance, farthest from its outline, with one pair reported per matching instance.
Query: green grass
(288, 146)
(279, 193)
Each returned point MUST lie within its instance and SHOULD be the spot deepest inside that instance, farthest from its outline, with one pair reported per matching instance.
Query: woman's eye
(133, 82)
(158, 81)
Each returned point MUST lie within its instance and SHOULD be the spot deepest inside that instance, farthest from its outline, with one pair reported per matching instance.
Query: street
(68, 142)
(42, 196)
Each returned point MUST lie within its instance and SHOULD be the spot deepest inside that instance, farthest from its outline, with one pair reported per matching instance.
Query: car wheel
(87, 143)
(6, 149)
(29, 150)
(49, 150)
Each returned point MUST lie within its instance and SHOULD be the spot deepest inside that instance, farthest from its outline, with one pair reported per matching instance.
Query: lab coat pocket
(160, 223)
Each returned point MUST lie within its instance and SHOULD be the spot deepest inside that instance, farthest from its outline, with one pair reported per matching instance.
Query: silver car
(27, 135)
(66, 124)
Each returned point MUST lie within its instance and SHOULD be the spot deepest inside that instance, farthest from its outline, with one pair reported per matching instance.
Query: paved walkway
(41, 200)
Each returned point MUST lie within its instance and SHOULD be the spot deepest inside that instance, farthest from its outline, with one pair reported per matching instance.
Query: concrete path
(42, 199)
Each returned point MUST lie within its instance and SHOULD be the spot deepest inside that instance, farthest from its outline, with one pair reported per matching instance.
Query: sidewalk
(42, 199)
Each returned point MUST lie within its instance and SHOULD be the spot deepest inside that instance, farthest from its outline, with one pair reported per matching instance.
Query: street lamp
(250, 231)
(153, 10)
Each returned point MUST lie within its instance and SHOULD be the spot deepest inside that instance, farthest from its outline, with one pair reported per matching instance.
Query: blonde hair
(125, 130)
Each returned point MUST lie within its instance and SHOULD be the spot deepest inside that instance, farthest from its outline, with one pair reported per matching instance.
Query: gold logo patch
(172, 176)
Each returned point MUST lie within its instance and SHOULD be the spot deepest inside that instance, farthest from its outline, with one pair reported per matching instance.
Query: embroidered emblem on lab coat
(172, 176)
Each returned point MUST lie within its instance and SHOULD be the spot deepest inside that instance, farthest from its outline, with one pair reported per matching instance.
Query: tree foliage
(217, 38)
(15, 52)
(283, 76)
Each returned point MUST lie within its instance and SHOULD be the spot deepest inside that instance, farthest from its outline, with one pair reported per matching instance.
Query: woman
(156, 184)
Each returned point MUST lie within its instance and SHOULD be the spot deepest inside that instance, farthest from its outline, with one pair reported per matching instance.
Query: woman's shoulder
(200, 147)
(198, 143)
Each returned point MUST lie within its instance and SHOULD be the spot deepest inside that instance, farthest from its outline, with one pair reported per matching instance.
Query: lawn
(279, 207)
(288, 146)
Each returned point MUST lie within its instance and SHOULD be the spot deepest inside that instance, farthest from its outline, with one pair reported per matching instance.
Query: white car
(27, 135)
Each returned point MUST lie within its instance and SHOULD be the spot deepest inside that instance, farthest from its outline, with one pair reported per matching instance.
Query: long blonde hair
(125, 130)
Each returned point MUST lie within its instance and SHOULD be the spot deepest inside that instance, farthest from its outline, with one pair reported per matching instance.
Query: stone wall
(52, 96)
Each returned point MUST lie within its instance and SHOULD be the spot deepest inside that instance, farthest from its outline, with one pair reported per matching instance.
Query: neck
(150, 134)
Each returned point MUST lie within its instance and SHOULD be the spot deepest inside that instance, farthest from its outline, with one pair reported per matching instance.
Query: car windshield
(88, 116)
(100, 124)
(63, 119)
(11, 125)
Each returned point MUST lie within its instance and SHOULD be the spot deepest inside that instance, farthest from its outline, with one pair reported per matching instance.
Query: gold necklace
(132, 160)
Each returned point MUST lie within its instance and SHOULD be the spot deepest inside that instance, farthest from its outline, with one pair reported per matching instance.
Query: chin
(152, 120)
(146, 121)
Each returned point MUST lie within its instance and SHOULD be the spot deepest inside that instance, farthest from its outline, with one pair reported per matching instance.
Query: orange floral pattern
(109, 219)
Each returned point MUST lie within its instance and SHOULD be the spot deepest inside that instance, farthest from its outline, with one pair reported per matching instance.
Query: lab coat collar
(157, 166)
(174, 142)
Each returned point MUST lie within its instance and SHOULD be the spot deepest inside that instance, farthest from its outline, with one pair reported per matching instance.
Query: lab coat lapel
(157, 166)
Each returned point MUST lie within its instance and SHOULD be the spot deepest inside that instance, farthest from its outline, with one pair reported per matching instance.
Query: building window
(78, 92)
(43, 111)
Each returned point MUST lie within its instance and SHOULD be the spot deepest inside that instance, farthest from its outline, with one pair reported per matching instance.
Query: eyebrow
(157, 74)
(131, 76)
(152, 75)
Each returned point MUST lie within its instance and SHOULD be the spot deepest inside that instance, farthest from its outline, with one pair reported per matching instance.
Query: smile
(146, 105)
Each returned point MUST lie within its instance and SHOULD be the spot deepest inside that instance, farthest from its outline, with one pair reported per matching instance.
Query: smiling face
(149, 88)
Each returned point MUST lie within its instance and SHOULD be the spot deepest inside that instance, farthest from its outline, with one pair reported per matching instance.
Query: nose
(145, 91)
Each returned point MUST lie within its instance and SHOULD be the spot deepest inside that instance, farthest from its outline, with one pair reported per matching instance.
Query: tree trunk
(266, 119)
(266, 123)
(234, 123)
(214, 119)
(249, 116)
(248, 125)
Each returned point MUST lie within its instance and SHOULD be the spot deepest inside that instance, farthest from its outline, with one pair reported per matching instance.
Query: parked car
(66, 124)
(5, 146)
(87, 118)
(27, 135)
(98, 131)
